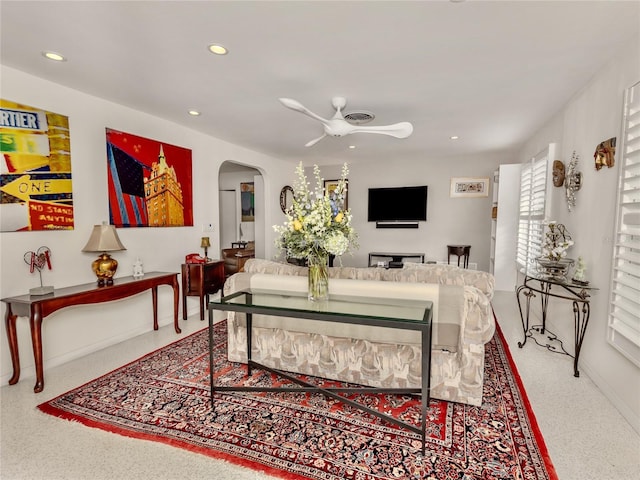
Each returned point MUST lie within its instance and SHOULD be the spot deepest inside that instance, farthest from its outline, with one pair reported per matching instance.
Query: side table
(201, 280)
(460, 251)
(577, 294)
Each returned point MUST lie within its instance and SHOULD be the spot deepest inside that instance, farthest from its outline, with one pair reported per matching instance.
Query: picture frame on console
(469, 187)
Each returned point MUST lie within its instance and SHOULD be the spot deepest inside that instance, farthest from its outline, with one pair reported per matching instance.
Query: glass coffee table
(391, 313)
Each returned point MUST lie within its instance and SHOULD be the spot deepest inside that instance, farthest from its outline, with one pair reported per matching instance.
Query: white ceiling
(490, 72)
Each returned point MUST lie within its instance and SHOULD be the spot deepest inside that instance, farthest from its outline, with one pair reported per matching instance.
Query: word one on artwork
(150, 182)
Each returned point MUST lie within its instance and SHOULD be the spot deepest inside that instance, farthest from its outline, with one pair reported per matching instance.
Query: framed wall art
(247, 202)
(35, 176)
(469, 187)
(150, 183)
(330, 187)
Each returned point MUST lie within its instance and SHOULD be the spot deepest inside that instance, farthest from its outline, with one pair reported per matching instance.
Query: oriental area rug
(164, 397)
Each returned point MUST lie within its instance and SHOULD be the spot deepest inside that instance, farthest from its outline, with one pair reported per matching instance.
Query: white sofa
(374, 356)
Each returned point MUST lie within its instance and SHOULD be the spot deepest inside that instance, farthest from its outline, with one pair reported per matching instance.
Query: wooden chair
(235, 258)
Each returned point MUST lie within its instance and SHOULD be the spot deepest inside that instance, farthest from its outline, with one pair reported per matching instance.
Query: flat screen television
(397, 204)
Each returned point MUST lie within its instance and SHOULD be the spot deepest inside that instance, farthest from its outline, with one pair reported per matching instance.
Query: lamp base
(105, 268)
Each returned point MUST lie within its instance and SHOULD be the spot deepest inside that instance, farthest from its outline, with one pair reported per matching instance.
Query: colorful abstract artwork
(35, 177)
(150, 183)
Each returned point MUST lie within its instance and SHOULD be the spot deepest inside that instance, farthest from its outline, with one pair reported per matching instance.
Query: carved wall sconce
(572, 181)
(558, 173)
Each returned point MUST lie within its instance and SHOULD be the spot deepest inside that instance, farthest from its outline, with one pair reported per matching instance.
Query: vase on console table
(555, 269)
(318, 276)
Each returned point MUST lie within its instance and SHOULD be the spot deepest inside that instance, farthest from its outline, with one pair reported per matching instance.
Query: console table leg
(426, 383)
(211, 364)
(154, 299)
(35, 323)
(581, 320)
(176, 301)
(12, 336)
(524, 319)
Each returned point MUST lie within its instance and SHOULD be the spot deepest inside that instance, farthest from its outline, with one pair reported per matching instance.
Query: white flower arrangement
(557, 241)
(317, 223)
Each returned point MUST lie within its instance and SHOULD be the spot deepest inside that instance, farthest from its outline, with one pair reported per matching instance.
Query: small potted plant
(557, 241)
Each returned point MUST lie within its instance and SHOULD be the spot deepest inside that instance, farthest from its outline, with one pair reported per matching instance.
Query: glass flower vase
(318, 277)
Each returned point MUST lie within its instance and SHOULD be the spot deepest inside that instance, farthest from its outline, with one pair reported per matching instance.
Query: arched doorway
(241, 206)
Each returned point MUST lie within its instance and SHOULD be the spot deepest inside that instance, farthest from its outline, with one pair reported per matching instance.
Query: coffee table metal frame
(243, 302)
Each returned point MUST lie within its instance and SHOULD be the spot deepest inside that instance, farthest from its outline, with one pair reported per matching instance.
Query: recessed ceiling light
(352, 147)
(54, 56)
(194, 113)
(218, 49)
(454, 137)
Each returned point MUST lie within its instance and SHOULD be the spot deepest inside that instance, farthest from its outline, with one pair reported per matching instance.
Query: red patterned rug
(164, 397)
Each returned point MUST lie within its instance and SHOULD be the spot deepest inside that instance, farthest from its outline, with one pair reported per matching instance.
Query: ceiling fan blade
(398, 130)
(313, 142)
(298, 107)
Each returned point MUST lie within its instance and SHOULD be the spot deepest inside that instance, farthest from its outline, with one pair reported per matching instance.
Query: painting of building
(150, 183)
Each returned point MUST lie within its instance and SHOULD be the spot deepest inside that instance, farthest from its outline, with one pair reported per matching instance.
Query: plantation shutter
(533, 195)
(624, 310)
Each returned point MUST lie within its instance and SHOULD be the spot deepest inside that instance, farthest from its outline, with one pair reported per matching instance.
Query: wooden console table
(37, 307)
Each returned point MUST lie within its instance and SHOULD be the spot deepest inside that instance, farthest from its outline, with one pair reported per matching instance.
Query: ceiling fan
(337, 126)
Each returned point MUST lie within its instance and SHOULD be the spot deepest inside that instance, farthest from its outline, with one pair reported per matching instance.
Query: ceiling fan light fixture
(218, 49)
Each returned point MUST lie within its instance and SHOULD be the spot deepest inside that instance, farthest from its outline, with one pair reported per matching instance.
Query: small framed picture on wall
(469, 187)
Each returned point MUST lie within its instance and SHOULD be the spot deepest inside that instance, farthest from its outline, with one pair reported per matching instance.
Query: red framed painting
(150, 182)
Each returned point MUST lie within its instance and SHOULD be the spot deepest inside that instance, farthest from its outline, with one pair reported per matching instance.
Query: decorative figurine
(578, 274)
(558, 173)
(605, 153)
(138, 272)
(37, 261)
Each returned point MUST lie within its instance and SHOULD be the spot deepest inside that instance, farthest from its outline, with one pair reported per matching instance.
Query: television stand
(392, 259)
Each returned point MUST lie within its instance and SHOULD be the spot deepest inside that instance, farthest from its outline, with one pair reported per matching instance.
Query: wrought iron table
(577, 293)
(398, 314)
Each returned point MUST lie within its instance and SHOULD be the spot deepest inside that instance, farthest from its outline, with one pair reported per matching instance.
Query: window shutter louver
(624, 310)
(533, 195)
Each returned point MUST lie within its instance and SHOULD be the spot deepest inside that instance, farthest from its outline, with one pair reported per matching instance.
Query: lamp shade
(205, 243)
(104, 238)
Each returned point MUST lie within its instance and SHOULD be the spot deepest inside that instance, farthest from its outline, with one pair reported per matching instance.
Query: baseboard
(29, 371)
(610, 395)
(599, 381)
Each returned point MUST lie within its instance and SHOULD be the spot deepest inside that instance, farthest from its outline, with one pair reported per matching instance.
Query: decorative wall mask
(605, 153)
(558, 173)
(573, 181)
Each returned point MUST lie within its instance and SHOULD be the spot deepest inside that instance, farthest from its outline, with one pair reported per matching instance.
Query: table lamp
(103, 239)
(205, 243)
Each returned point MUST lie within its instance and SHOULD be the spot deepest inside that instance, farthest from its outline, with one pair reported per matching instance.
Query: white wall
(449, 220)
(594, 115)
(76, 331)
